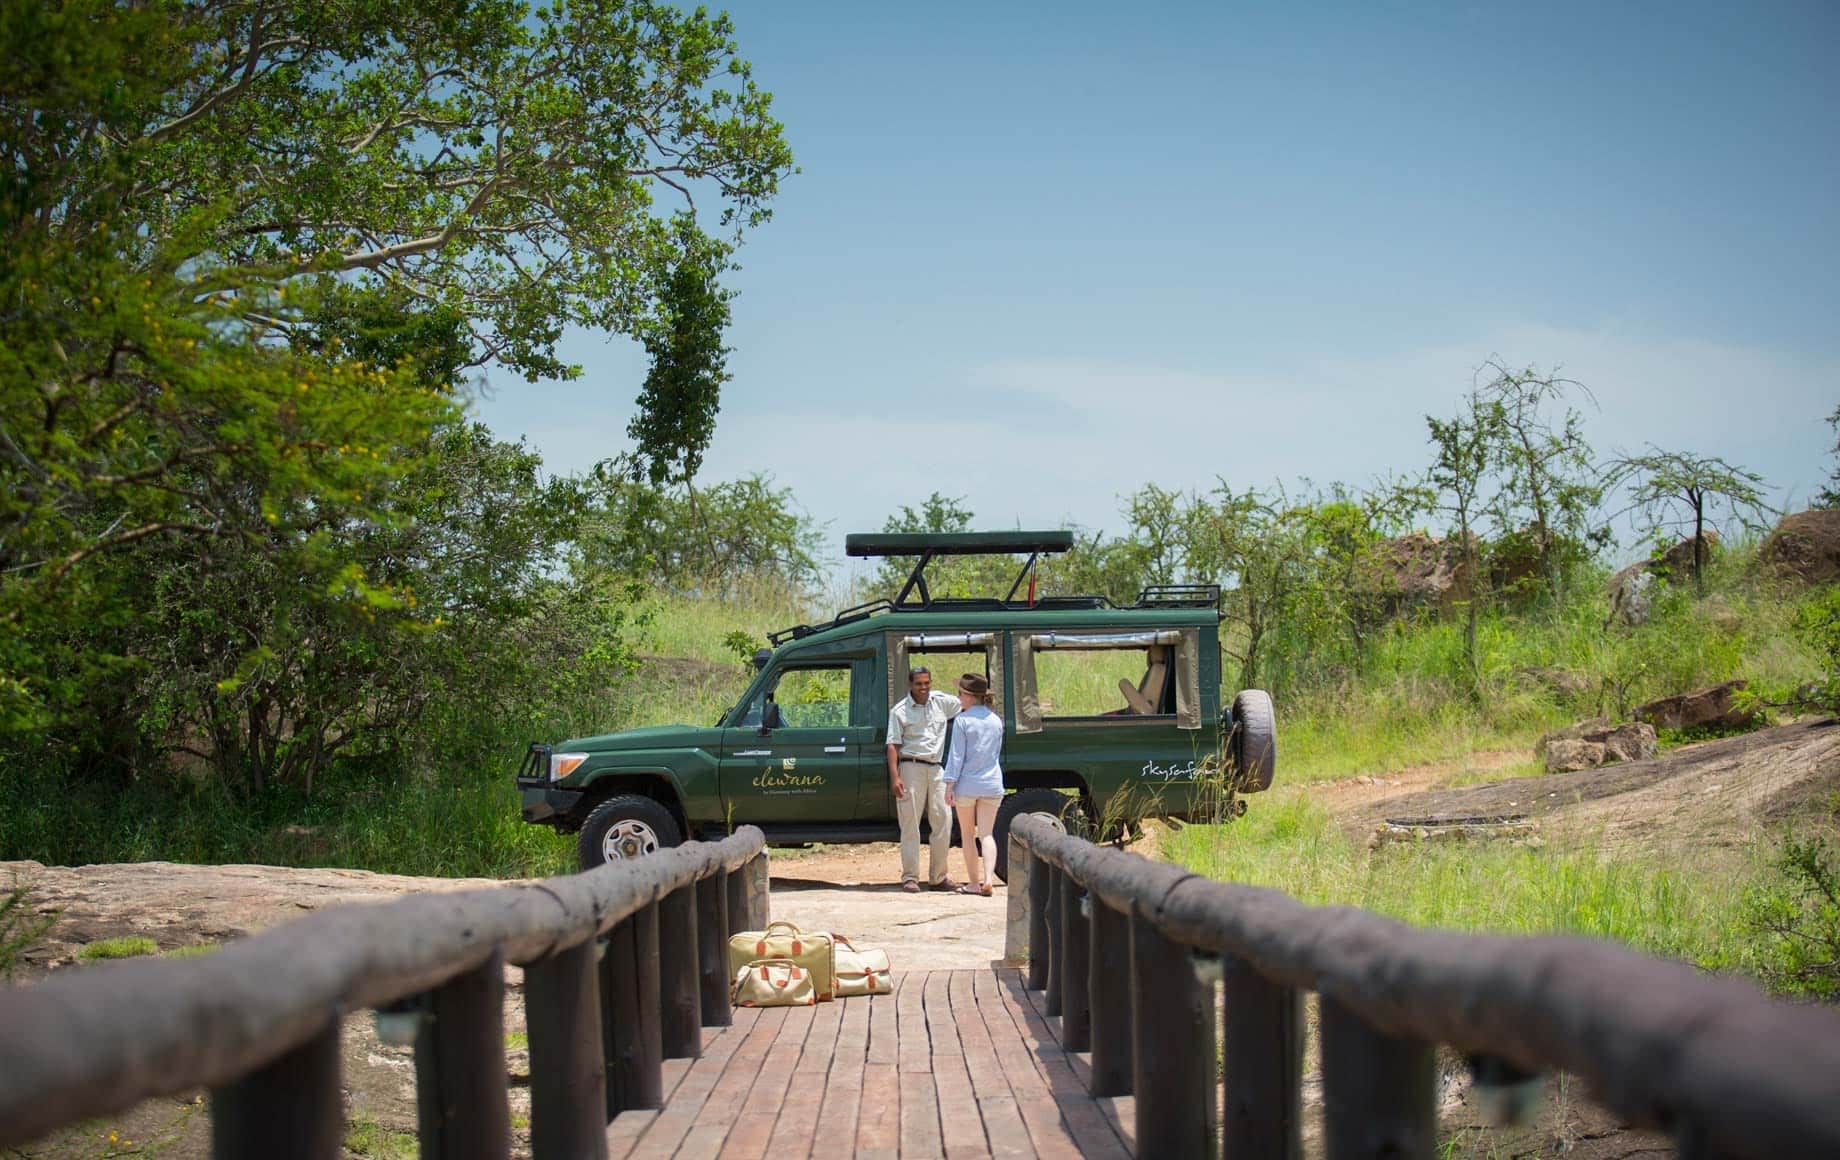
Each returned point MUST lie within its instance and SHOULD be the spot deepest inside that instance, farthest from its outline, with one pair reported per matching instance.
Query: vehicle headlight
(563, 764)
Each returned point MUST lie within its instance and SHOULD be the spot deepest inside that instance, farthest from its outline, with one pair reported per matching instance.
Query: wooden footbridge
(1159, 1014)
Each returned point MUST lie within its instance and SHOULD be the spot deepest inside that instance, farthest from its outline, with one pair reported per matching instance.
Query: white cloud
(1039, 440)
(1042, 440)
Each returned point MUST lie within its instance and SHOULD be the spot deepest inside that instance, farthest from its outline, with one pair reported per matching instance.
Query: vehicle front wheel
(624, 827)
(1062, 809)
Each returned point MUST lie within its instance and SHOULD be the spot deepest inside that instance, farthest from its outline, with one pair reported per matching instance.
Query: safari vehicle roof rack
(1179, 596)
(928, 546)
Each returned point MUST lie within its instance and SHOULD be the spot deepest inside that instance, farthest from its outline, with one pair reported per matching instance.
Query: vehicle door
(795, 751)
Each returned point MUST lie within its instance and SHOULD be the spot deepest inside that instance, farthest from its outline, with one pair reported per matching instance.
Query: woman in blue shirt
(974, 780)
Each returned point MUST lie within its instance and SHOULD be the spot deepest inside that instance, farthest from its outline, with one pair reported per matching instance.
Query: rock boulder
(1632, 742)
(1805, 547)
(1568, 754)
(1677, 562)
(1596, 742)
(1419, 569)
(1716, 707)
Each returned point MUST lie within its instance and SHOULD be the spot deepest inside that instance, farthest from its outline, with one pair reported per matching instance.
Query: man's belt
(921, 761)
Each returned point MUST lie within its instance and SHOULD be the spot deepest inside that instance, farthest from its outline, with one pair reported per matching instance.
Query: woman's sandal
(967, 888)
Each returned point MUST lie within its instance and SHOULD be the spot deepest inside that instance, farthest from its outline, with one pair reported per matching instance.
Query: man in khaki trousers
(916, 747)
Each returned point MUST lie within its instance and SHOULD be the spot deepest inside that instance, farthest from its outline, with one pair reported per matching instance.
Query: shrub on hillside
(1797, 916)
(1819, 623)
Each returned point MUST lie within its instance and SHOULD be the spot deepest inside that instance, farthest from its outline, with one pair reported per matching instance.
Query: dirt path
(856, 890)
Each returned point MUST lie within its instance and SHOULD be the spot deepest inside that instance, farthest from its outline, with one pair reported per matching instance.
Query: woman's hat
(975, 685)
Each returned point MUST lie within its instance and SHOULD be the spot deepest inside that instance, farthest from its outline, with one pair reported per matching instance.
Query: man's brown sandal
(911, 886)
(942, 884)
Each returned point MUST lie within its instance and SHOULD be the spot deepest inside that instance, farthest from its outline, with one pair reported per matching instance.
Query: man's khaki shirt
(918, 732)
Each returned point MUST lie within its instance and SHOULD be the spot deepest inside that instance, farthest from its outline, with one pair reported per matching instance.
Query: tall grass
(1411, 699)
(1291, 843)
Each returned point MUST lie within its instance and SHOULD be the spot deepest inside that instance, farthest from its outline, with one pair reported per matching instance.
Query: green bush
(1795, 916)
(1818, 620)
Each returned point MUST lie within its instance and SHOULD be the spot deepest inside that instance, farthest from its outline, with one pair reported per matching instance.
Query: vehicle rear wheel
(1255, 740)
(625, 827)
(1062, 809)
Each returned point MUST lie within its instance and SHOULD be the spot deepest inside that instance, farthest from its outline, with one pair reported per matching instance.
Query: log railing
(623, 967)
(1130, 953)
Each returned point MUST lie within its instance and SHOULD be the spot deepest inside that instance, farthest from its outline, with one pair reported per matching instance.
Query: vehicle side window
(947, 655)
(1099, 676)
(803, 698)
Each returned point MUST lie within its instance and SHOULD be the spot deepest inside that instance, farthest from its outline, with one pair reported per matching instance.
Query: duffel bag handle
(791, 926)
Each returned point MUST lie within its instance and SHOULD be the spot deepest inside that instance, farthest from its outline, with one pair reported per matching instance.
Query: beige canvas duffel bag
(773, 983)
(784, 940)
(861, 972)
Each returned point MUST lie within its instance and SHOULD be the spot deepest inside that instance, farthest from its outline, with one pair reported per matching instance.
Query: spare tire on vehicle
(1255, 740)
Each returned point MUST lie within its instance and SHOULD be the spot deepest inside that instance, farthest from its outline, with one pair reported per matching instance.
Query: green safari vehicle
(1111, 714)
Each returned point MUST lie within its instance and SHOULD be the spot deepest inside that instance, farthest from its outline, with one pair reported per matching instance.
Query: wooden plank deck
(953, 1064)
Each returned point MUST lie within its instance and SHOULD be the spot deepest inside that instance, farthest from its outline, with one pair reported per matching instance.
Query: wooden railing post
(568, 1077)
(631, 1037)
(1173, 1062)
(712, 949)
(462, 1096)
(1108, 987)
(1016, 904)
(740, 905)
(760, 892)
(1262, 1042)
(1379, 1092)
(1038, 922)
(680, 1000)
(290, 1108)
(1057, 883)
(1075, 946)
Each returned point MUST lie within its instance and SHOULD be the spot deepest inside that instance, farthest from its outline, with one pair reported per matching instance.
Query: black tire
(1064, 808)
(638, 825)
(1255, 740)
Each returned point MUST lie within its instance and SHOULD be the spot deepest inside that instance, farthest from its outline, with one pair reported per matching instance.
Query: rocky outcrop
(1629, 589)
(1676, 564)
(1596, 742)
(1716, 707)
(1417, 570)
(1629, 595)
(1805, 547)
(1573, 754)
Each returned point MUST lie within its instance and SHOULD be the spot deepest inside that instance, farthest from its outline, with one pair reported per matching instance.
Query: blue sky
(1039, 254)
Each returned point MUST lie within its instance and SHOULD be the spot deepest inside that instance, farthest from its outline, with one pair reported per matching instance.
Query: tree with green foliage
(940, 514)
(1548, 484)
(698, 541)
(1261, 547)
(683, 389)
(1465, 448)
(1675, 491)
(250, 250)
